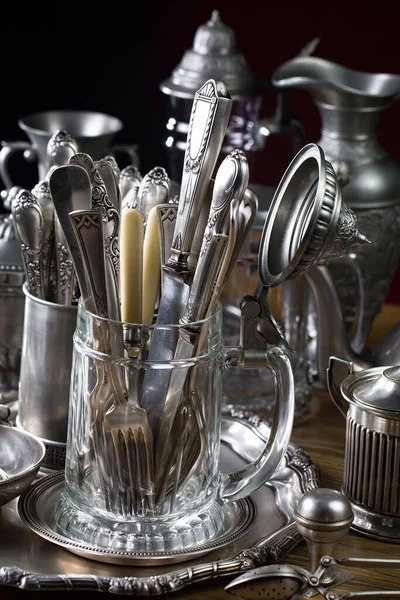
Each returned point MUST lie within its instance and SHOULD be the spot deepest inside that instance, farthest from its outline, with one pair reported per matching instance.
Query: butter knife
(207, 127)
(230, 184)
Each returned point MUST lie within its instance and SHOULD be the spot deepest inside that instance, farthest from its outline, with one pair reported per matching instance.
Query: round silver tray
(30, 562)
(37, 506)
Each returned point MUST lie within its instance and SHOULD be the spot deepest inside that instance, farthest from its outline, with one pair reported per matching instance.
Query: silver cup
(46, 363)
(92, 131)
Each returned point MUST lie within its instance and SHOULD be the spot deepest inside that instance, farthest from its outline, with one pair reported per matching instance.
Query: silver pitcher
(92, 131)
(351, 104)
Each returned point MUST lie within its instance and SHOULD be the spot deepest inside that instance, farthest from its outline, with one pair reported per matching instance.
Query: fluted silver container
(370, 401)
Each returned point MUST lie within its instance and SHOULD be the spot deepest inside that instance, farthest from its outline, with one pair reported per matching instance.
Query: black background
(112, 59)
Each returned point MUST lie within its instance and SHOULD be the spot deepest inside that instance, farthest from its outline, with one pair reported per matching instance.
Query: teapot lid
(378, 390)
(214, 55)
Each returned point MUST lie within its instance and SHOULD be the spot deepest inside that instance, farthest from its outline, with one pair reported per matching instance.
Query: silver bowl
(21, 455)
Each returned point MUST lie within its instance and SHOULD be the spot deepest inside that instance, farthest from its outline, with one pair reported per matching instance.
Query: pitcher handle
(8, 149)
(333, 386)
(130, 150)
(357, 340)
(245, 481)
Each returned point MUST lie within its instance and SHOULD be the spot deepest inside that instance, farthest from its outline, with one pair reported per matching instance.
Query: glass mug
(136, 488)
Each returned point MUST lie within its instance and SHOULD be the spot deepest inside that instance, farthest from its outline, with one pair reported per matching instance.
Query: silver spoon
(129, 177)
(29, 225)
(155, 188)
(43, 196)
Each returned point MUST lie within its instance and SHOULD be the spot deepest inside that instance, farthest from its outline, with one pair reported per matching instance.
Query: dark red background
(112, 59)
(359, 35)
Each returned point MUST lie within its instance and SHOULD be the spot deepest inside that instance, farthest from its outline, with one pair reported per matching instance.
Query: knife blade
(207, 127)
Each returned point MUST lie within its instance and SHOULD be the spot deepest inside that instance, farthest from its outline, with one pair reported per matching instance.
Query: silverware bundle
(139, 258)
(49, 266)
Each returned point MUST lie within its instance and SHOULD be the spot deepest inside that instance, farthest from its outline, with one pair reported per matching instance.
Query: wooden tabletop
(321, 434)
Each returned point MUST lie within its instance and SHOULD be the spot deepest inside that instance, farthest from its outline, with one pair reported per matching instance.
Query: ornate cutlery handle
(29, 224)
(88, 229)
(230, 184)
(209, 119)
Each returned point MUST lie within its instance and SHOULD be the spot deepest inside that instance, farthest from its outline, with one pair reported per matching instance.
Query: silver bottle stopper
(323, 517)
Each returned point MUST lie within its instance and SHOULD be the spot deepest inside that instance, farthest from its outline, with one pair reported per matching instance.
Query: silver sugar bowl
(370, 401)
(12, 309)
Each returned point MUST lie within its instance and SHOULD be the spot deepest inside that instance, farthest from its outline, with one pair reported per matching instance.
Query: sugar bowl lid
(214, 55)
(377, 389)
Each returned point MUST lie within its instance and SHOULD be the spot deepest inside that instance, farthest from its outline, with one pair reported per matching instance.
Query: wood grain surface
(321, 434)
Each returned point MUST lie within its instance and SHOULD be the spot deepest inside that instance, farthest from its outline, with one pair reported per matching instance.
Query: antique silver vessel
(351, 104)
(12, 309)
(214, 55)
(370, 401)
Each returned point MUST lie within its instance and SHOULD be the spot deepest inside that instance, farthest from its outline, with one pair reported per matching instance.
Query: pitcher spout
(339, 92)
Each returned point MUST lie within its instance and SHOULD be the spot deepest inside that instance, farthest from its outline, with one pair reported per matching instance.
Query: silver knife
(208, 122)
(88, 229)
(230, 185)
(111, 218)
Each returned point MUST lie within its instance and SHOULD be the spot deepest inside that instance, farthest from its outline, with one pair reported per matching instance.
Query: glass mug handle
(244, 482)
(7, 151)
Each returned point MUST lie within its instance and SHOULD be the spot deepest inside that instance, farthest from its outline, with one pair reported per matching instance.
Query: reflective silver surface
(351, 105)
(30, 562)
(21, 455)
(214, 55)
(369, 400)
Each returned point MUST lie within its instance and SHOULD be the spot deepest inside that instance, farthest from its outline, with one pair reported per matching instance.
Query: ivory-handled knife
(151, 267)
(131, 265)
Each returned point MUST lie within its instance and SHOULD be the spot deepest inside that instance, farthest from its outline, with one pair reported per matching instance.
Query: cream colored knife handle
(131, 265)
(151, 267)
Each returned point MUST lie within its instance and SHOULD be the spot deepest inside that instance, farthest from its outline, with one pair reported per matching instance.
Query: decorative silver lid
(214, 55)
(378, 390)
(306, 221)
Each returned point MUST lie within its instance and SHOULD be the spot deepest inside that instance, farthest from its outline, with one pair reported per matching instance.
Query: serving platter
(30, 561)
